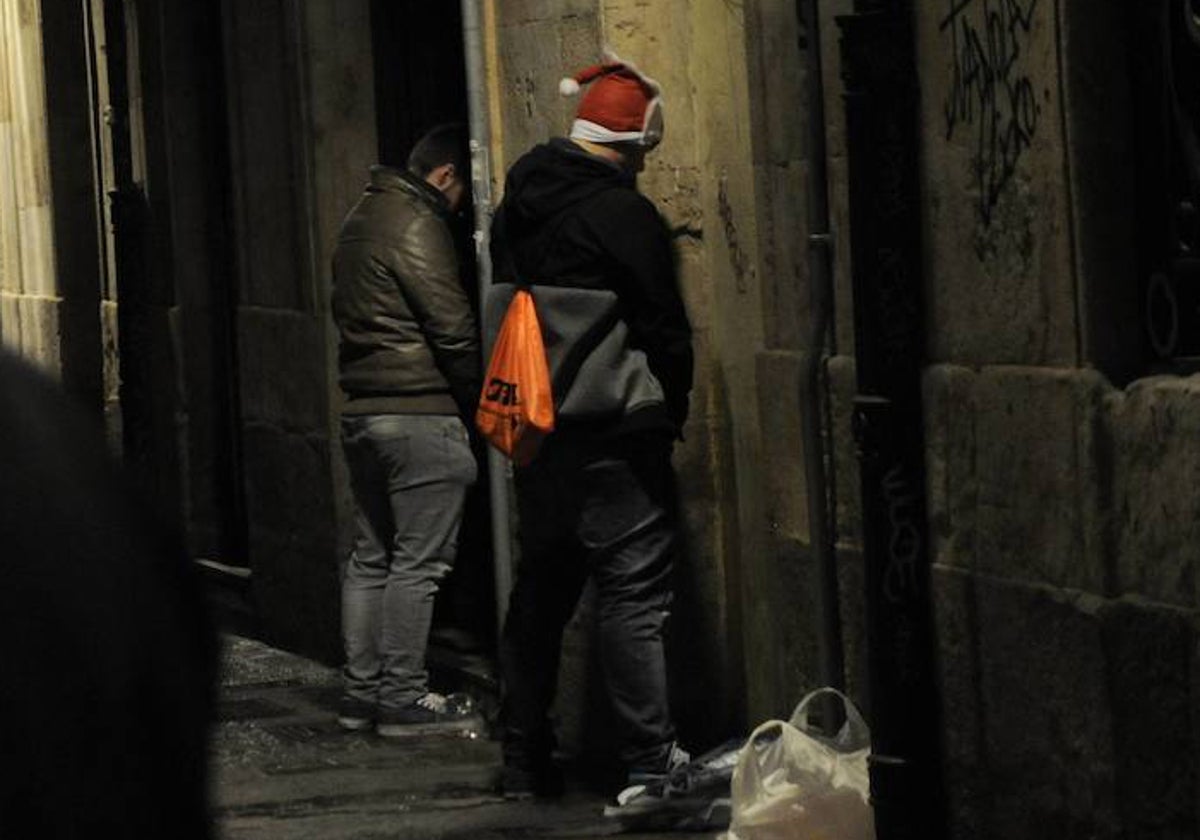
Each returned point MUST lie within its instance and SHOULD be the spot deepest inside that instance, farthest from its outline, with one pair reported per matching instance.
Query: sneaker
(355, 715)
(642, 776)
(648, 789)
(689, 796)
(428, 714)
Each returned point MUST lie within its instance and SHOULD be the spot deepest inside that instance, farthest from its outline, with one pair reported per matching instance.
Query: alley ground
(284, 771)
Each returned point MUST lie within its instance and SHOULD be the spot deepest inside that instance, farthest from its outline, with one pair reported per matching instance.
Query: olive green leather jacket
(408, 338)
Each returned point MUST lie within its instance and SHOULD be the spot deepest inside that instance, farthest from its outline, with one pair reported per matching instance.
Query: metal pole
(821, 299)
(881, 99)
(481, 185)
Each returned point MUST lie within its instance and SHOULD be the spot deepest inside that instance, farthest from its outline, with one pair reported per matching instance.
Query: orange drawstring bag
(516, 407)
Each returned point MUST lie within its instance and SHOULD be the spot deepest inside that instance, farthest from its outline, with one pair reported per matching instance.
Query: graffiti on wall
(991, 93)
(904, 547)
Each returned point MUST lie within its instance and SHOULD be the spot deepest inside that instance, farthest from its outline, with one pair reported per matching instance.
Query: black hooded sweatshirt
(598, 259)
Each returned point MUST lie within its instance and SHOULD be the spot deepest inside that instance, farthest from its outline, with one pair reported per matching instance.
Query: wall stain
(527, 90)
(738, 260)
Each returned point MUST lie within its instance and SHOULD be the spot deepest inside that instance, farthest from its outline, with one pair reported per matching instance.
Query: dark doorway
(207, 290)
(420, 72)
(168, 297)
(421, 82)
(1164, 58)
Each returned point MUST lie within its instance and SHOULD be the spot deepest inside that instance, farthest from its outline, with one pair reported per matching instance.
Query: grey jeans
(410, 474)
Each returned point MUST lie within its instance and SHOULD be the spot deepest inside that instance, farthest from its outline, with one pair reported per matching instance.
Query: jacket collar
(390, 179)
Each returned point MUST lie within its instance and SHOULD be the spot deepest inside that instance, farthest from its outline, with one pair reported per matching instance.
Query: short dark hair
(440, 145)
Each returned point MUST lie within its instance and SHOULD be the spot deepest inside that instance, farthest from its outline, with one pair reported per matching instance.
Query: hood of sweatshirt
(549, 179)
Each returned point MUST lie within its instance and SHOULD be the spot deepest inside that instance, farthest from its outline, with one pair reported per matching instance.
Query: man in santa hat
(598, 500)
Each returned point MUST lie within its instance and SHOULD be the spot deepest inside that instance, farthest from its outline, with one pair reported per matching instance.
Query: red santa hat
(621, 104)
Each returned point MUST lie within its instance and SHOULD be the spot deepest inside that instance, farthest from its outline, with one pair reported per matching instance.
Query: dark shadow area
(1164, 62)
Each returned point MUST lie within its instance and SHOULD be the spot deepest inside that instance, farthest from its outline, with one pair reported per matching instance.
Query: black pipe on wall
(816, 450)
(882, 108)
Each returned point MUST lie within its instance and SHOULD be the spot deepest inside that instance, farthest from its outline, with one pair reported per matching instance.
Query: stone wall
(998, 231)
(29, 299)
(1062, 505)
(302, 139)
(49, 278)
(1064, 514)
(780, 584)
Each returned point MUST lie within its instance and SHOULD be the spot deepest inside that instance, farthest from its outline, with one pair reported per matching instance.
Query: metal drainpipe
(882, 104)
(829, 629)
(481, 185)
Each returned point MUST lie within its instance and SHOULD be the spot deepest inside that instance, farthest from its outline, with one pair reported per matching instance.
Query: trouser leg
(548, 584)
(426, 496)
(362, 597)
(627, 524)
(365, 574)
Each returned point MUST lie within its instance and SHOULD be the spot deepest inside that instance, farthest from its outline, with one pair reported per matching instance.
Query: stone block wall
(997, 203)
(1154, 502)
(778, 622)
(302, 139)
(29, 299)
(1062, 500)
(1064, 514)
(779, 577)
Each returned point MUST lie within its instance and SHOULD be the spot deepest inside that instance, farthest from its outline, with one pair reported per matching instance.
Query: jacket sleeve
(636, 237)
(427, 267)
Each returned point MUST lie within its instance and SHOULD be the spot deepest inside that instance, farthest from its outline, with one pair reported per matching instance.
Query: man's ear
(445, 174)
(439, 176)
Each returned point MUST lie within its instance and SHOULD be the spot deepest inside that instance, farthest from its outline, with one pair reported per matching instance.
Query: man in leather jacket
(409, 368)
(598, 500)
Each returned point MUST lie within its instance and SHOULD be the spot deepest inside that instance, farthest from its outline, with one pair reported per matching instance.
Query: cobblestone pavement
(282, 769)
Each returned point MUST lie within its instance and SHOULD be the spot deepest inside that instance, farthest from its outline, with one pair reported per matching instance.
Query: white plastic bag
(791, 783)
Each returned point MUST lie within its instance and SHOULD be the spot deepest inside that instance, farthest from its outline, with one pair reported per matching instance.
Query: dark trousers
(606, 512)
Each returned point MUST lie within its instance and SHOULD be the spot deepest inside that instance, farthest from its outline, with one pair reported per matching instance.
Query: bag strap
(854, 734)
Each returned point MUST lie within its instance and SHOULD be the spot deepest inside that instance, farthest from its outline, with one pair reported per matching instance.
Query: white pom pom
(568, 86)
